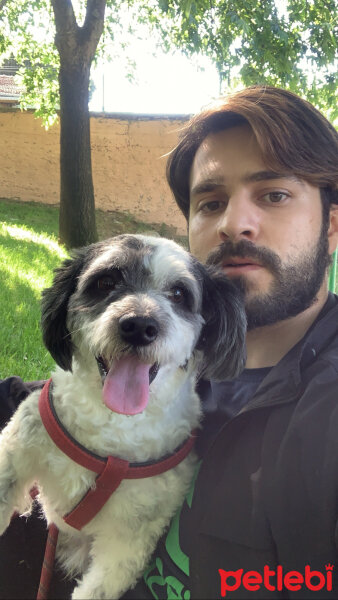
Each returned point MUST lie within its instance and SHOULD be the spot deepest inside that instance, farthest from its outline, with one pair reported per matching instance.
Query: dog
(131, 322)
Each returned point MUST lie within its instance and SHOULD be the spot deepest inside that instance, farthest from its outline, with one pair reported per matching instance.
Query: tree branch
(65, 21)
(94, 21)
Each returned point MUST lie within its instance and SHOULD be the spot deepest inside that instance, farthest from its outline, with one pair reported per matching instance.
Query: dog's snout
(138, 331)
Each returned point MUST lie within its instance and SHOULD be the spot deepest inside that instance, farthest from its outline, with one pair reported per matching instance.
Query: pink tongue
(126, 387)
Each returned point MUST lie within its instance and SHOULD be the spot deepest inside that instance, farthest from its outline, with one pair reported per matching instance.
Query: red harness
(111, 471)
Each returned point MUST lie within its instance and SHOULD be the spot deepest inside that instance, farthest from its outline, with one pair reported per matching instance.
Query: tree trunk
(77, 226)
(76, 46)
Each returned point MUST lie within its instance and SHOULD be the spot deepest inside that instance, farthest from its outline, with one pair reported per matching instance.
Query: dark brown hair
(293, 136)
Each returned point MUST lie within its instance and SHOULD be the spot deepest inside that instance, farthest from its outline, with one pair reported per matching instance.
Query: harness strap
(105, 484)
(111, 470)
(62, 438)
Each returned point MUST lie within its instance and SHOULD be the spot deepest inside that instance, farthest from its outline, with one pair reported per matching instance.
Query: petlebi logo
(276, 579)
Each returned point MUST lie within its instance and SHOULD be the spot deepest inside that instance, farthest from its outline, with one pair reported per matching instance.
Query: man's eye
(210, 207)
(275, 197)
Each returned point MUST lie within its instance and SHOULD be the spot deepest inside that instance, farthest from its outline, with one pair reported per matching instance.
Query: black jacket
(273, 472)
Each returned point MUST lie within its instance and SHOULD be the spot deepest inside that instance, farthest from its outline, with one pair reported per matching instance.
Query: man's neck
(267, 345)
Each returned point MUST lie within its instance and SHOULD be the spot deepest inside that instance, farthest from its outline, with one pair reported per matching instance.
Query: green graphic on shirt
(172, 542)
(154, 576)
(174, 588)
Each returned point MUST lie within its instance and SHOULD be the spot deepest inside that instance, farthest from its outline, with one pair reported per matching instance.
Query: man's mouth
(233, 266)
(126, 383)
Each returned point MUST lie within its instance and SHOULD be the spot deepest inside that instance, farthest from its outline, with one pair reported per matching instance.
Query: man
(256, 178)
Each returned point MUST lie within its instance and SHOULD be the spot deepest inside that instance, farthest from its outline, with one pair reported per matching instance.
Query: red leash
(48, 563)
(111, 471)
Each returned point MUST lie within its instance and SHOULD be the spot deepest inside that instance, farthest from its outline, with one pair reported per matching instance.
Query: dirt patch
(113, 222)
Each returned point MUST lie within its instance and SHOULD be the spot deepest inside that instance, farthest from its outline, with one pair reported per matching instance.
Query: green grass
(29, 252)
(27, 259)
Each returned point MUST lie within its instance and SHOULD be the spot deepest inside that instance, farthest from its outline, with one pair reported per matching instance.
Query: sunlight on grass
(29, 263)
(30, 277)
(28, 256)
(22, 233)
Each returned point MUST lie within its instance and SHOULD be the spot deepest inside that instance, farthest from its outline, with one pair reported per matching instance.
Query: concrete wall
(127, 157)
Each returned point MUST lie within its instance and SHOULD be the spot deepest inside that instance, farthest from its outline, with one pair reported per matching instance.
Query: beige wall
(127, 156)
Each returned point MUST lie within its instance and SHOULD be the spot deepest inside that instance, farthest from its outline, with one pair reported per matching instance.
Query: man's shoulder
(320, 371)
(325, 328)
(311, 367)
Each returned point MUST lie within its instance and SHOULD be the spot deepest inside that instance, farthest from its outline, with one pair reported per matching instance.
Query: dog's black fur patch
(131, 242)
(222, 339)
(54, 306)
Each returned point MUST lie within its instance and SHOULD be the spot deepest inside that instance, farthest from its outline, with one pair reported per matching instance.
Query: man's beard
(295, 284)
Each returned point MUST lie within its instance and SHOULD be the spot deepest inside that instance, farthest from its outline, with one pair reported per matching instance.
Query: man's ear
(222, 340)
(333, 228)
(54, 304)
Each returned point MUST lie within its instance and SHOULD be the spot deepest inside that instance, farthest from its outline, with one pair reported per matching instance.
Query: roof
(9, 91)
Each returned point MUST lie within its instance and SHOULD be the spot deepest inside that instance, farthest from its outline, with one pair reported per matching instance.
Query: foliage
(27, 29)
(288, 43)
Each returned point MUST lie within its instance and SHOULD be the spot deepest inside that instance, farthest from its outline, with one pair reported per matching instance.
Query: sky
(162, 83)
(169, 84)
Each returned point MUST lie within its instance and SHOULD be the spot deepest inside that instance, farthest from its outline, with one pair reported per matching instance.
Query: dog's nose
(138, 331)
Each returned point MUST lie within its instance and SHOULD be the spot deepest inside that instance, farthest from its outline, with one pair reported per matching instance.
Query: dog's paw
(100, 583)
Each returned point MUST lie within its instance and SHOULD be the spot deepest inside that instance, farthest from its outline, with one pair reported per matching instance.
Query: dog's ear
(54, 304)
(222, 339)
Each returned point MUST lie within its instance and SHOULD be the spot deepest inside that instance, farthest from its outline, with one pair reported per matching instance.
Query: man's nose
(240, 220)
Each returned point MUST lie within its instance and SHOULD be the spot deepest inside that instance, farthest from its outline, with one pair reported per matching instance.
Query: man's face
(265, 229)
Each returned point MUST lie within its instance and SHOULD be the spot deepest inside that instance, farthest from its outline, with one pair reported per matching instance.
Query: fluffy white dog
(130, 322)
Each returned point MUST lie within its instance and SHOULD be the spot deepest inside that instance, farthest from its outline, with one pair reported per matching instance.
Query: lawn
(29, 251)
(28, 254)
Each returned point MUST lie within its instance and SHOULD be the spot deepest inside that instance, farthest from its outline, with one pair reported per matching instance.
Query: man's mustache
(244, 249)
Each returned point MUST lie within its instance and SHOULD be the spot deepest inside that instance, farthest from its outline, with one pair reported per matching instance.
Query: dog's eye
(177, 295)
(108, 282)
